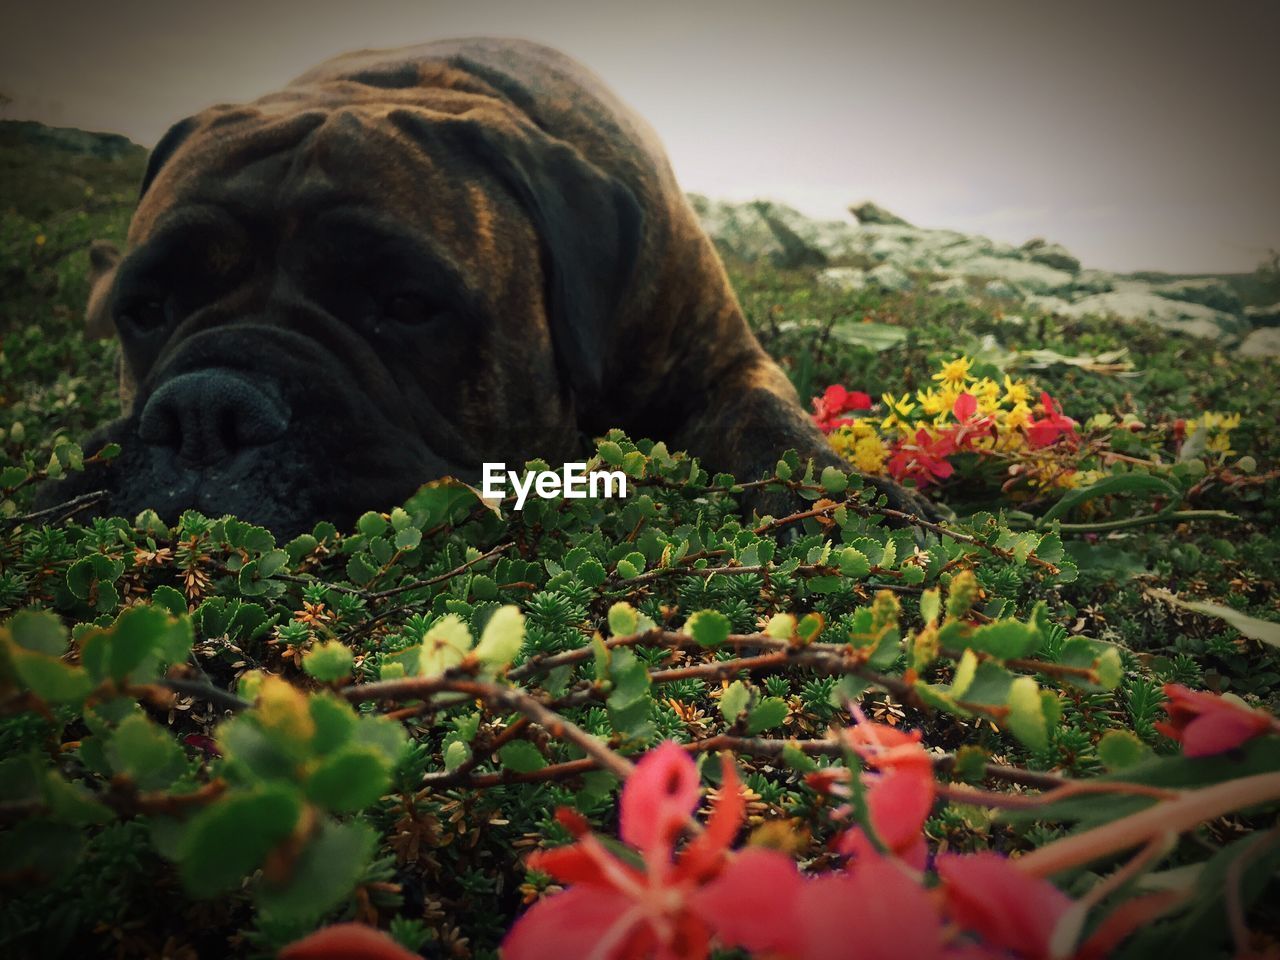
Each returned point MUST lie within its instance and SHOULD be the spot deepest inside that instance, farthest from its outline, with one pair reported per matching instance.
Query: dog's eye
(145, 314)
(410, 309)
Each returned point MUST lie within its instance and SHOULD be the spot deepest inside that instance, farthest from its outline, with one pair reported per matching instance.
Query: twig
(1191, 808)
(66, 510)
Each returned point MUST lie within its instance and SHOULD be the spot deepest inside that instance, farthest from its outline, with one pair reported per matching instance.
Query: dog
(405, 264)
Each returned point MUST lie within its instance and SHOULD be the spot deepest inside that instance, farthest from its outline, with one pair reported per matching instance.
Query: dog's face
(324, 306)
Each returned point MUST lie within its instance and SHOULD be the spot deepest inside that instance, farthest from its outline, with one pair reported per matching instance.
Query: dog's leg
(751, 417)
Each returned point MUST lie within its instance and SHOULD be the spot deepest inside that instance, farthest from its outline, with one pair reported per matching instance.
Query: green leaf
(520, 756)
(622, 619)
(610, 453)
(326, 872)
(229, 839)
(502, 637)
(372, 524)
(853, 563)
(709, 628)
(349, 780)
(328, 662)
(1026, 714)
(444, 645)
(592, 573)
(408, 538)
(1119, 749)
(455, 755)
(360, 570)
(734, 700)
(781, 626)
(930, 605)
(767, 714)
(38, 631)
(834, 481)
(874, 337)
(1265, 631)
(1117, 483)
(1004, 639)
(145, 753)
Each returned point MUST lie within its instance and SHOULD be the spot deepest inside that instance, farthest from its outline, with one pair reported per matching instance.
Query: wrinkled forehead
(279, 168)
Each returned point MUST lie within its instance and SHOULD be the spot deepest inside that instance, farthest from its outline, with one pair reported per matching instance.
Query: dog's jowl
(407, 264)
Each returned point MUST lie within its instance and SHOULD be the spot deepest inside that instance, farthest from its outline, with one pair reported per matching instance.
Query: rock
(1053, 255)
(1023, 275)
(1049, 305)
(1263, 342)
(956, 287)
(868, 212)
(758, 231)
(1263, 316)
(1207, 291)
(845, 279)
(888, 277)
(1138, 302)
(107, 146)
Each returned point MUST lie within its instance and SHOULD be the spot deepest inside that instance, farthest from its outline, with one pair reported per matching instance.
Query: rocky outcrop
(107, 146)
(885, 252)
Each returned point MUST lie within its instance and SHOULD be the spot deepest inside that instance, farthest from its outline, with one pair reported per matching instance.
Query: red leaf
(966, 406)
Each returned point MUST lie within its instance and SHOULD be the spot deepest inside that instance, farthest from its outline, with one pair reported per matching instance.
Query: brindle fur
(596, 298)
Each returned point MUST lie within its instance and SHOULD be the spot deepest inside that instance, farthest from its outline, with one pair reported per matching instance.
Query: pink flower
(668, 904)
(987, 895)
(1206, 724)
(834, 401)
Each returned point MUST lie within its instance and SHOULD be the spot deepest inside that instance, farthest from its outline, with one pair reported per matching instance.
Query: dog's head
(330, 298)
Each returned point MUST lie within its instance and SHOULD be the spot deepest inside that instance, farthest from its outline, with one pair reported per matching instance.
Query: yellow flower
(1220, 443)
(869, 455)
(1015, 392)
(954, 372)
(897, 412)
(1018, 416)
(932, 403)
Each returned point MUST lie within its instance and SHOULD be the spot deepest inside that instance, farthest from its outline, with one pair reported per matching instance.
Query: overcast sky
(1139, 133)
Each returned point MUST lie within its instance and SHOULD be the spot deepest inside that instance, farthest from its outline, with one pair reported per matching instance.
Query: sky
(1141, 134)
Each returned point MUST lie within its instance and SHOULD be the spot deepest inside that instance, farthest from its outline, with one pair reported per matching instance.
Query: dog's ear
(588, 223)
(164, 150)
(104, 259)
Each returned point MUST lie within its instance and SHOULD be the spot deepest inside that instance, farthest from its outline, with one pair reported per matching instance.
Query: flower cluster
(962, 413)
(650, 899)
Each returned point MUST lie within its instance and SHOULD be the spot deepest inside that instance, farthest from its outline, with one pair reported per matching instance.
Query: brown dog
(408, 263)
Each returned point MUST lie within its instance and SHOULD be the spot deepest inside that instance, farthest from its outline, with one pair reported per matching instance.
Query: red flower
(872, 912)
(1206, 724)
(924, 461)
(346, 941)
(835, 401)
(966, 406)
(669, 905)
(898, 799)
(1047, 430)
(989, 896)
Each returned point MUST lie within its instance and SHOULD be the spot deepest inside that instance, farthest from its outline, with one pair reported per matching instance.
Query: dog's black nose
(208, 415)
